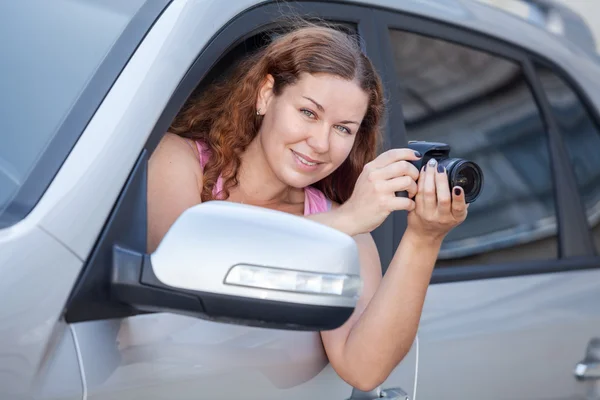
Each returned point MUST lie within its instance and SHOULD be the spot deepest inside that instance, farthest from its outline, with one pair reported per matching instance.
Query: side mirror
(248, 265)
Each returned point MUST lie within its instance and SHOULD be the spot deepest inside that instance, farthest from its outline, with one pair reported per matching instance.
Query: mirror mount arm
(133, 282)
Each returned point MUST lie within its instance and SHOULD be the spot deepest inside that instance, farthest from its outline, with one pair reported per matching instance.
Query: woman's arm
(336, 218)
(380, 332)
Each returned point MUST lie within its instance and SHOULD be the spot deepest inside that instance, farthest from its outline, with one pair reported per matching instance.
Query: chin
(295, 179)
(299, 183)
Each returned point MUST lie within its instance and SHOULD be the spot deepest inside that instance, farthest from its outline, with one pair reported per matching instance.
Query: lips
(306, 159)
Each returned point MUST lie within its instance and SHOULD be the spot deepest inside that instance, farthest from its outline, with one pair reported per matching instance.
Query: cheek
(340, 149)
(285, 127)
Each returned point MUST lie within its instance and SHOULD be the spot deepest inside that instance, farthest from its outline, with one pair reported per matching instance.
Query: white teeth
(303, 161)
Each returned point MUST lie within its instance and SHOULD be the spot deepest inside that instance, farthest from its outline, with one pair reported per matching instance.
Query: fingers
(444, 199)
(459, 207)
(396, 169)
(402, 183)
(401, 203)
(420, 190)
(393, 155)
(429, 189)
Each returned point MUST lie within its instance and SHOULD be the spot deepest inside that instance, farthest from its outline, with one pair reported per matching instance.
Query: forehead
(332, 92)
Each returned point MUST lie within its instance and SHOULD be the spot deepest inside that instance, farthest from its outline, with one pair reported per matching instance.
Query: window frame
(575, 244)
(90, 298)
(67, 134)
(592, 112)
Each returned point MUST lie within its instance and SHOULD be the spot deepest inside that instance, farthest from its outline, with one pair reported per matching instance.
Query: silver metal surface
(37, 276)
(512, 338)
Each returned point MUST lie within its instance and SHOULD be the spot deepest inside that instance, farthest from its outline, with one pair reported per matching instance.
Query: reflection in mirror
(581, 135)
(482, 106)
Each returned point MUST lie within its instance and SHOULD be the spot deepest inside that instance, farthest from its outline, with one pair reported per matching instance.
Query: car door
(513, 304)
(128, 355)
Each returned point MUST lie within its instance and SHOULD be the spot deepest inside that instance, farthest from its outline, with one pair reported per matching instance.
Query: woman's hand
(437, 210)
(374, 196)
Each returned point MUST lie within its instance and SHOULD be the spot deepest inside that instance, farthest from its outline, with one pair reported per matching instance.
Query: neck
(258, 184)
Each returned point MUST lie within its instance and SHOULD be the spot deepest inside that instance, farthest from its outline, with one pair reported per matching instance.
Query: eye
(308, 113)
(343, 129)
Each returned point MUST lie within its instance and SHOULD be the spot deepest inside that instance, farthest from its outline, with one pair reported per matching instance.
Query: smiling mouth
(305, 161)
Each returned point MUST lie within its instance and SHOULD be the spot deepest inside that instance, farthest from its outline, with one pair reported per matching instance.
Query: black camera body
(464, 173)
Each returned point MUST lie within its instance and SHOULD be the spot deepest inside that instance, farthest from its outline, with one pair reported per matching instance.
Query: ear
(265, 94)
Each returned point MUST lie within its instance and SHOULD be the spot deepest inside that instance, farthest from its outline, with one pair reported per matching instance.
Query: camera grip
(418, 164)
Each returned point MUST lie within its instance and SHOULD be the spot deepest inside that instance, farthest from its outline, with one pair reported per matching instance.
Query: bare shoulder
(175, 149)
(175, 160)
(174, 184)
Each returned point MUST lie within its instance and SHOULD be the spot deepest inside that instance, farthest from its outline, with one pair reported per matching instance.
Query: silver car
(230, 304)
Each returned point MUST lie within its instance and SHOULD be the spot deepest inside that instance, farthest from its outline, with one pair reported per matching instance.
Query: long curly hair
(224, 116)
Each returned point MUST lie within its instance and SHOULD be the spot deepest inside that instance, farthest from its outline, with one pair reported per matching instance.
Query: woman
(296, 129)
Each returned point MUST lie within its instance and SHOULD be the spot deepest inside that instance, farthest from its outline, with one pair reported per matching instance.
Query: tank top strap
(203, 156)
(315, 201)
(202, 152)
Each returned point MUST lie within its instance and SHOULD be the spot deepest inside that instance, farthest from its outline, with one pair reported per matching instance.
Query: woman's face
(310, 128)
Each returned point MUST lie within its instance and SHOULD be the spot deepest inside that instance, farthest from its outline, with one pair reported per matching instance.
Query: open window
(123, 240)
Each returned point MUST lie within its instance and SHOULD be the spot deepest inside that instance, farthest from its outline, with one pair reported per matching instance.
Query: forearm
(337, 219)
(384, 333)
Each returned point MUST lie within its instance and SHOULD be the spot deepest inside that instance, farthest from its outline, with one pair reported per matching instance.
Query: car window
(50, 50)
(482, 106)
(581, 135)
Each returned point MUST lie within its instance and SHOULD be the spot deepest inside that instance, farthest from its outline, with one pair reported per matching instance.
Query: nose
(318, 139)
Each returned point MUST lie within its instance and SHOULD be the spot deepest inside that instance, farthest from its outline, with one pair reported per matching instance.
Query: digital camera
(463, 173)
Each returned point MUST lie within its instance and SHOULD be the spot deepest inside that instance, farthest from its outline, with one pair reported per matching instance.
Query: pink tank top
(314, 200)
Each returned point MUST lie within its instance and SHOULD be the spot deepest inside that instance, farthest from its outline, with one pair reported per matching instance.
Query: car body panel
(172, 356)
(166, 355)
(37, 273)
(60, 376)
(508, 338)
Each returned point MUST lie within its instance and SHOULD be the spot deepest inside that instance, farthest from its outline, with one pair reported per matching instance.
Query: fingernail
(417, 154)
(432, 162)
(440, 168)
(457, 191)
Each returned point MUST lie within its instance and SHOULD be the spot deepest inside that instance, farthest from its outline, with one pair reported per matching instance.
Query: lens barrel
(465, 174)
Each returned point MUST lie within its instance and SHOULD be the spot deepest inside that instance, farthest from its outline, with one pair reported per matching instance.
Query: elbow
(365, 381)
(365, 385)
(367, 376)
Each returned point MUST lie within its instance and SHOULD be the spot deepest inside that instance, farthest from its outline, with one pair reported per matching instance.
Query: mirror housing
(247, 265)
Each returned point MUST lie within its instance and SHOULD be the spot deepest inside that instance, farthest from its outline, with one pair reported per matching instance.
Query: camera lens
(467, 175)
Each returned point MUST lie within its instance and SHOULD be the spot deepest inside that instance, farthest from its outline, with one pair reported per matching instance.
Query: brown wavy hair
(224, 114)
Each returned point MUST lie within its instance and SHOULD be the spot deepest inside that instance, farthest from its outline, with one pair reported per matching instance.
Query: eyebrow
(322, 109)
